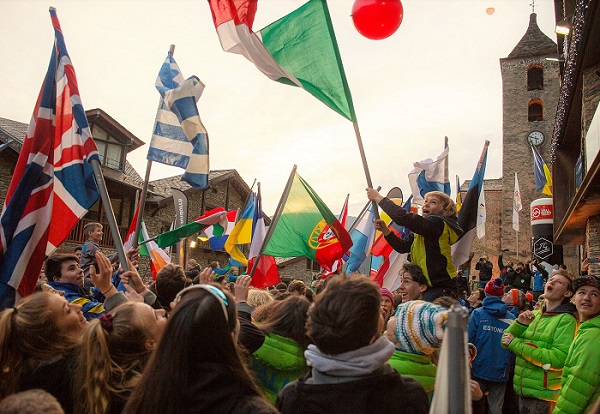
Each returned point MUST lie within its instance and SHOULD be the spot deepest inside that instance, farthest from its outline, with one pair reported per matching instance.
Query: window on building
(313, 266)
(110, 149)
(535, 78)
(535, 111)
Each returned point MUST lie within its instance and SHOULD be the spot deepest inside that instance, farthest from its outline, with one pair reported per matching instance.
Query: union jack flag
(53, 184)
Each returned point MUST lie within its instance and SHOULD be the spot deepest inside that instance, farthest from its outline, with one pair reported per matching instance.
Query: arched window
(535, 77)
(535, 111)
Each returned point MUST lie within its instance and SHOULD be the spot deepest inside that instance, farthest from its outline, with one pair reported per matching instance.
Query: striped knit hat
(420, 326)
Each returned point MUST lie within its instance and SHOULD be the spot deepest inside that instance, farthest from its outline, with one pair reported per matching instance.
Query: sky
(438, 75)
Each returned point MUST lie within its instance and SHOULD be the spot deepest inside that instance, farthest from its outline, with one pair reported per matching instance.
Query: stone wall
(517, 156)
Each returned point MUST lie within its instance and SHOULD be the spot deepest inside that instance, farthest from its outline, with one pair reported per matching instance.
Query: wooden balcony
(76, 235)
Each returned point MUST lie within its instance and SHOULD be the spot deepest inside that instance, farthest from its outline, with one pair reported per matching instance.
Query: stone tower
(530, 91)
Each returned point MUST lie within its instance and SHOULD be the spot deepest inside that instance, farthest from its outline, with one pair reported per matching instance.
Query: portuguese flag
(301, 221)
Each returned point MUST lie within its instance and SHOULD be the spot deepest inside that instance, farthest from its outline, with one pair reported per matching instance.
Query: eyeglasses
(213, 290)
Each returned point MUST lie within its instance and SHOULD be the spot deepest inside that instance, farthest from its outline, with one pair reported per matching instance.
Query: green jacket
(581, 374)
(415, 366)
(541, 349)
(278, 361)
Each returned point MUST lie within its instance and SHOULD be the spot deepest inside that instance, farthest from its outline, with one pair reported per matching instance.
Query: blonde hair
(29, 336)
(257, 297)
(89, 228)
(112, 356)
(448, 205)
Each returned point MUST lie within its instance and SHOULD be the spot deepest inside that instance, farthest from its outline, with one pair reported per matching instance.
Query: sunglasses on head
(213, 290)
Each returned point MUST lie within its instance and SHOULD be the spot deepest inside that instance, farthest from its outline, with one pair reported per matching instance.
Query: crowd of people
(94, 339)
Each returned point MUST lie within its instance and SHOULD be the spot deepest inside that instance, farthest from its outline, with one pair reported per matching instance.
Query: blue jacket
(92, 306)
(486, 326)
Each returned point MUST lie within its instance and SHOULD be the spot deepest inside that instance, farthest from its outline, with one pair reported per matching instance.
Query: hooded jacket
(581, 374)
(428, 244)
(541, 349)
(415, 366)
(278, 361)
(486, 327)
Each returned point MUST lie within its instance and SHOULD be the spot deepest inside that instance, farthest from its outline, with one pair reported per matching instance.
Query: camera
(593, 260)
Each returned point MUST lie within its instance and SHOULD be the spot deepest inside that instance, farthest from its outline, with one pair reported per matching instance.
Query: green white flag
(299, 49)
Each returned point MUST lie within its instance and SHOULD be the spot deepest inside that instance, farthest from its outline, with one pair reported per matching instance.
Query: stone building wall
(517, 156)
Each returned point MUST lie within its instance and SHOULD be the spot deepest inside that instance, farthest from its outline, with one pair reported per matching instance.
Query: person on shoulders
(429, 241)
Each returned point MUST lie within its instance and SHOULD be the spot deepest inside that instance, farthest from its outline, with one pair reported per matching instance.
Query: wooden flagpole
(276, 216)
(138, 225)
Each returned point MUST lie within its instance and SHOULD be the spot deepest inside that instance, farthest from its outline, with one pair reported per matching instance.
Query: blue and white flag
(179, 137)
(429, 175)
(362, 236)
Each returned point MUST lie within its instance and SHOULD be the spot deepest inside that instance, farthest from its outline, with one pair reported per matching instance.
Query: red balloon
(377, 19)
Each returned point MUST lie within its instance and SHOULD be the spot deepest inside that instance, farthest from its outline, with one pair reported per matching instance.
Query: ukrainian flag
(541, 172)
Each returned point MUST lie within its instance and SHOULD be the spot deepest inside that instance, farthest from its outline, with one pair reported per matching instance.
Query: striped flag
(388, 273)
(299, 49)
(158, 257)
(266, 272)
(179, 137)
(53, 183)
(362, 240)
(429, 175)
(242, 232)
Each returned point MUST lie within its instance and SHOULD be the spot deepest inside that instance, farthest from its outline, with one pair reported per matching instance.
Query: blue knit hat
(420, 326)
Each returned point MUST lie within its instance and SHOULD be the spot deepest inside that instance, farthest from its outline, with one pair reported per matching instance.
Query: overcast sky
(438, 75)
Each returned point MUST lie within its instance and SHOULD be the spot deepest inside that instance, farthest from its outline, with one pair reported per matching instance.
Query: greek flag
(179, 138)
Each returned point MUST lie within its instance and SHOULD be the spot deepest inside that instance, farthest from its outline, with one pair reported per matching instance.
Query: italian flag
(158, 257)
(210, 217)
(299, 49)
(302, 220)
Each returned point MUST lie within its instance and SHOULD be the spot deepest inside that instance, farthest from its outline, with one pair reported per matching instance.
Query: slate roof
(162, 187)
(15, 130)
(534, 42)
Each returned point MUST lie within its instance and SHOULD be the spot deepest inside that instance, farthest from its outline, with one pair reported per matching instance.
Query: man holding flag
(429, 241)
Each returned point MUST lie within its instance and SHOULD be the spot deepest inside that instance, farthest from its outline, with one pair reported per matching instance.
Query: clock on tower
(535, 138)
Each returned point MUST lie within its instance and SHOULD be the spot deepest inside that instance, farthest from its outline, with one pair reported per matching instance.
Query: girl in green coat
(281, 357)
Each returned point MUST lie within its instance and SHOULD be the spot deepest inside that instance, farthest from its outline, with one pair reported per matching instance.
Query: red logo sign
(541, 212)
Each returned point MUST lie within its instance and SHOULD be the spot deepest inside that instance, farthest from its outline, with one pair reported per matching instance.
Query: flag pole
(110, 215)
(458, 386)
(138, 225)
(361, 214)
(350, 104)
(517, 244)
(276, 216)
